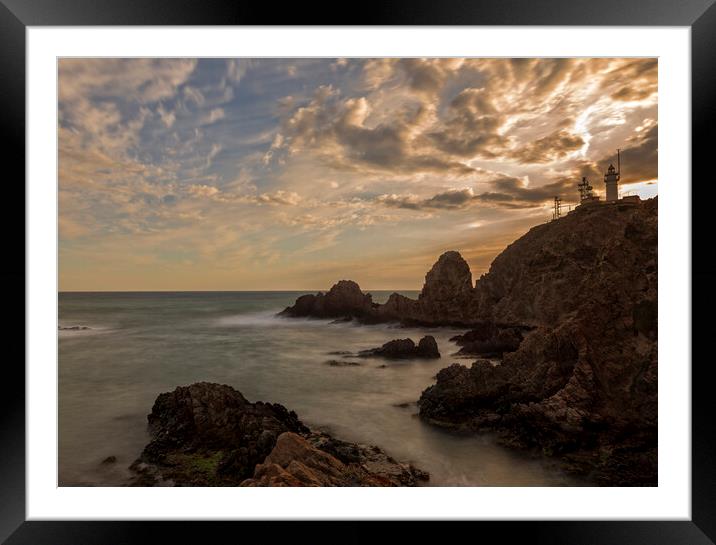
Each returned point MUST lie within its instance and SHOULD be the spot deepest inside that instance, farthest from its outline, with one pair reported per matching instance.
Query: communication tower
(557, 211)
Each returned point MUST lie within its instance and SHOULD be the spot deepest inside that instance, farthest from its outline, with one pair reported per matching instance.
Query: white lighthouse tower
(611, 179)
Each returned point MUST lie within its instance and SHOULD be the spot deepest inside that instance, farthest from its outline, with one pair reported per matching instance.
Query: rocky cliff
(571, 307)
(582, 384)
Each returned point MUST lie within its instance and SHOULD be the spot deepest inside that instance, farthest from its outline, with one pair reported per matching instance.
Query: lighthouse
(611, 179)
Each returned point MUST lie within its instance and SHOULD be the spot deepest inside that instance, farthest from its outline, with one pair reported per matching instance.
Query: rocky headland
(570, 309)
(209, 434)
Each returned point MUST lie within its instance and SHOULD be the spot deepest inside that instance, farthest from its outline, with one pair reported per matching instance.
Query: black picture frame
(16, 15)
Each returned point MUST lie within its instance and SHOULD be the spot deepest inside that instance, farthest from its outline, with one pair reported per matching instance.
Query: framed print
(399, 268)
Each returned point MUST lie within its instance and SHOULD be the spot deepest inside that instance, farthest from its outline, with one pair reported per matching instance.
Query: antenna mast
(557, 212)
(619, 165)
(585, 190)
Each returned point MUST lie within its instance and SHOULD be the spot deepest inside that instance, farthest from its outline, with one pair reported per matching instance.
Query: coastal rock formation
(446, 299)
(320, 460)
(344, 300)
(426, 348)
(571, 307)
(582, 385)
(446, 296)
(208, 434)
(490, 340)
(599, 254)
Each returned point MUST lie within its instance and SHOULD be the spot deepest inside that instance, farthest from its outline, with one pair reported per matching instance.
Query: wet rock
(405, 348)
(580, 385)
(445, 299)
(490, 340)
(428, 347)
(579, 363)
(208, 434)
(342, 363)
(320, 460)
(344, 300)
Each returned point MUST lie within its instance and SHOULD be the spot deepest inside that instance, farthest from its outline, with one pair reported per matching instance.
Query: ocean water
(142, 344)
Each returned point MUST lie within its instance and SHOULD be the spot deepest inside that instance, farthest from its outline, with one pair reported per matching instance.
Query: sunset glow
(290, 174)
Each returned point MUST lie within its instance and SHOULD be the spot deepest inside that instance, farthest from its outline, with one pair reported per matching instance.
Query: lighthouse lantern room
(611, 179)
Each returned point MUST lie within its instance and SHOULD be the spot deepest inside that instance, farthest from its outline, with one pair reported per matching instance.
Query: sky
(291, 174)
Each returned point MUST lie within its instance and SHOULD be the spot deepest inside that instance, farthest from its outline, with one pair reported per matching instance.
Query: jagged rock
(344, 300)
(601, 254)
(209, 435)
(582, 385)
(427, 348)
(447, 294)
(489, 340)
(579, 372)
(319, 460)
(446, 299)
(397, 308)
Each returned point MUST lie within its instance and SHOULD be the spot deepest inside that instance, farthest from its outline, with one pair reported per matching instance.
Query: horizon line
(228, 291)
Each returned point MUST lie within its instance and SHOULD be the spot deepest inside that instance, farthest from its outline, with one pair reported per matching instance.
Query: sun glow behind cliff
(226, 174)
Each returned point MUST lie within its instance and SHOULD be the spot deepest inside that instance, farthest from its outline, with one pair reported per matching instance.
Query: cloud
(213, 152)
(142, 80)
(236, 69)
(424, 116)
(639, 160)
(167, 117)
(506, 192)
(169, 164)
(193, 96)
(472, 128)
(201, 190)
(450, 199)
(336, 130)
(633, 79)
(278, 197)
(547, 149)
(212, 116)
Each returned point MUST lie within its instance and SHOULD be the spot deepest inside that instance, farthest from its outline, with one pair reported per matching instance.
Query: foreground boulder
(299, 461)
(426, 348)
(208, 434)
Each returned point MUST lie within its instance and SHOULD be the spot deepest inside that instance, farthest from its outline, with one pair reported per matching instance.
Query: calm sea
(142, 344)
